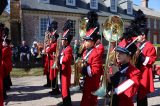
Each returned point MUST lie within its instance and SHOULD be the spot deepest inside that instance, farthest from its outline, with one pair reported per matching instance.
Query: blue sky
(8, 7)
(155, 4)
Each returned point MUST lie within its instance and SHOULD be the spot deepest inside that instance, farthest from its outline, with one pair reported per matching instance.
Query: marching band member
(125, 81)
(146, 58)
(6, 65)
(46, 57)
(51, 51)
(92, 62)
(1, 69)
(65, 64)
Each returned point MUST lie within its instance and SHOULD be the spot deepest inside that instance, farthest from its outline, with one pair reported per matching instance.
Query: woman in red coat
(6, 65)
(65, 64)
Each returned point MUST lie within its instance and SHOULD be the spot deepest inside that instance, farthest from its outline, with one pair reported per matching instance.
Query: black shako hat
(54, 34)
(92, 28)
(67, 31)
(129, 49)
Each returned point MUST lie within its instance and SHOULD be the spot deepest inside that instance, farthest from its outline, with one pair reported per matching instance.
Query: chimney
(144, 3)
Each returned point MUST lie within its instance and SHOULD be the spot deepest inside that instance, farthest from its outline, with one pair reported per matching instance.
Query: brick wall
(31, 23)
(30, 28)
(155, 32)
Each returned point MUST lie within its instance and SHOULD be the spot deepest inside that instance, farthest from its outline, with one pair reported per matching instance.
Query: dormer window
(71, 2)
(129, 7)
(44, 1)
(113, 6)
(94, 4)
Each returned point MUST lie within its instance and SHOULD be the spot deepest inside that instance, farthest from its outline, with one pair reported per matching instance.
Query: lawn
(21, 72)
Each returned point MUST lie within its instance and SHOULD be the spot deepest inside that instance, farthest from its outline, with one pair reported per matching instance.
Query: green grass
(157, 62)
(20, 72)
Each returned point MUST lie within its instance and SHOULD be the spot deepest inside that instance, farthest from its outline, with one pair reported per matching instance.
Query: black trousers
(67, 100)
(6, 84)
(48, 80)
(142, 102)
(55, 84)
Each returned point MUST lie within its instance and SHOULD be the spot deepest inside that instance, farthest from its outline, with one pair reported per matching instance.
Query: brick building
(29, 17)
(153, 24)
(34, 15)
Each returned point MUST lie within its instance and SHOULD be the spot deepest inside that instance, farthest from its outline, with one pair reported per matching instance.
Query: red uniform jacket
(147, 83)
(1, 71)
(45, 61)
(100, 50)
(50, 51)
(1, 85)
(127, 89)
(92, 79)
(65, 62)
(7, 60)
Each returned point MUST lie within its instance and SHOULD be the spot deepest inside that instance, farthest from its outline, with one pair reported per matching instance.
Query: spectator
(14, 54)
(76, 49)
(34, 51)
(24, 52)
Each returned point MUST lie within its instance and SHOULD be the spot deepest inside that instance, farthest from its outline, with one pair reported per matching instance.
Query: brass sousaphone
(113, 29)
(78, 62)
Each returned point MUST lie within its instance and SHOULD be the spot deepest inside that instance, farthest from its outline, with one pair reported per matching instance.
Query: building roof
(146, 11)
(82, 7)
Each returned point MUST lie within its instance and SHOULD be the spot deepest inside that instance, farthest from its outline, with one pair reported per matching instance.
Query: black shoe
(47, 85)
(8, 88)
(55, 92)
(5, 97)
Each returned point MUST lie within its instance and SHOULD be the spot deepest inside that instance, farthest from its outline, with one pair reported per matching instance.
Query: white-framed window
(155, 23)
(113, 6)
(129, 7)
(155, 39)
(44, 1)
(149, 35)
(94, 4)
(73, 29)
(71, 2)
(148, 23)
(43, 26)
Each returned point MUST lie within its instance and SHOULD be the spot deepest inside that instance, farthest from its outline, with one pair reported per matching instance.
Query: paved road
(28, 91)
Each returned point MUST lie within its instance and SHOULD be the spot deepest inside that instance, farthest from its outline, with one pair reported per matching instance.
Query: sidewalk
(29, 91)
